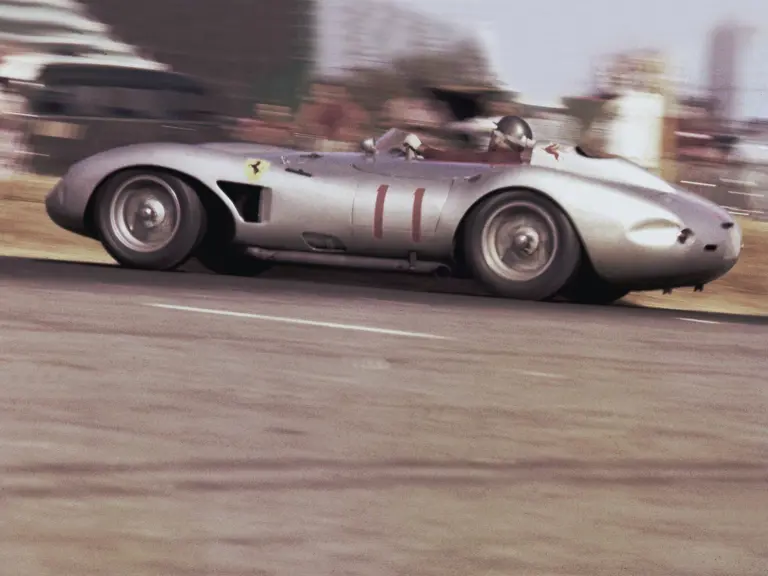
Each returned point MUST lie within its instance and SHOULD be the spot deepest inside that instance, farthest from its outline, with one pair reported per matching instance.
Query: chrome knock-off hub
(151, 213)
(526, 241)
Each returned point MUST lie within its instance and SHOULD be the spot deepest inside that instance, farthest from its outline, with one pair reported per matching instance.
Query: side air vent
(246, 198)
(323, 242)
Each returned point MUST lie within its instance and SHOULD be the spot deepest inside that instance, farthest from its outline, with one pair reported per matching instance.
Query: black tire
(549, 232)
(183, 213)
(588, 288)
(217, 253)
(229, 259)
(597, 297)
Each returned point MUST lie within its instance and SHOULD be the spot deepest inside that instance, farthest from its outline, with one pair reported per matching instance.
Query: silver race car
(587, 229)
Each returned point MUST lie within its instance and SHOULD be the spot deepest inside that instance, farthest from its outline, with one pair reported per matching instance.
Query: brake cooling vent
(247, 199)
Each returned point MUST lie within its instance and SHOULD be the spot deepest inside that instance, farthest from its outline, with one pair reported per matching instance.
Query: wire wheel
(519, 240)
(145, 213)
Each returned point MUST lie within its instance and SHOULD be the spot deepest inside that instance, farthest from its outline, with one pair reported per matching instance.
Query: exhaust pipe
(346, 261)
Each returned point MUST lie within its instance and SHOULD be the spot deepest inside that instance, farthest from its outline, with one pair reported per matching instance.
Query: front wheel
(588, 288)
(596, 296)
(521, 245)
(149, 219)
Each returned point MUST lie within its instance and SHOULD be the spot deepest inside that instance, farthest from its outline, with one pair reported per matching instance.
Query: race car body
(588, 229)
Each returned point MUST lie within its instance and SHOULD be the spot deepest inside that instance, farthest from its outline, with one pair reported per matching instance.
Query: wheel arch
(458, 237)
(216, 209)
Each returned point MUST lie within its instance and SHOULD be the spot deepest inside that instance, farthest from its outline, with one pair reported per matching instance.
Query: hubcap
(144, 213)
(519, 241)
(526, 241)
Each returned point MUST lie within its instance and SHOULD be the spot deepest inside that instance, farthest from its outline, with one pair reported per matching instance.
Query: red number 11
(378, 213)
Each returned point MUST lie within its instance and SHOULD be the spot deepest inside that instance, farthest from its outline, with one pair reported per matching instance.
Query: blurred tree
(463, 67)
(585, 109)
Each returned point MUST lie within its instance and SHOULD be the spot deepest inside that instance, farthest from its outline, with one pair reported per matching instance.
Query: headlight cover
(660, 234)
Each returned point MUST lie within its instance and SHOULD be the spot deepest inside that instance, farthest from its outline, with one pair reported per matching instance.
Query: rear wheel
(149, 219)
(521, 245)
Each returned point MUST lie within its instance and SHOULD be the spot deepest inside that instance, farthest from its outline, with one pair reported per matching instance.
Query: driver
(511, 137)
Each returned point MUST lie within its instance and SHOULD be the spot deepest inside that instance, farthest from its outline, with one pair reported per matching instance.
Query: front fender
(68, 202)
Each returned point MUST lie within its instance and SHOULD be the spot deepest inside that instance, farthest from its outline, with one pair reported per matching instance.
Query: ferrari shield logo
(255, 168)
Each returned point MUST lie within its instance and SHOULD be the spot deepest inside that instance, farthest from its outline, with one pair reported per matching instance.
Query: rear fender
(601, 213)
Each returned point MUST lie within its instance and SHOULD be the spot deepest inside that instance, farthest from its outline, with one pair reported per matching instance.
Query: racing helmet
(514, 132)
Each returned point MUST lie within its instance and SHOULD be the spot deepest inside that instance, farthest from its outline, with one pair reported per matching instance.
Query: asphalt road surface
(190, 424)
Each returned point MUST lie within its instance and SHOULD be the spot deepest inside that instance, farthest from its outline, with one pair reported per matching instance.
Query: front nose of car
(60, 211)
(54, 202)
(711, 240)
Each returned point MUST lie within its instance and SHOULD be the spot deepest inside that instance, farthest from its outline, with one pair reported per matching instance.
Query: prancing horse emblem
(255, 168)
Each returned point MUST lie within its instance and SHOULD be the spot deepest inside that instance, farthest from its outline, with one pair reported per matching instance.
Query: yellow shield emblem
(255, 169)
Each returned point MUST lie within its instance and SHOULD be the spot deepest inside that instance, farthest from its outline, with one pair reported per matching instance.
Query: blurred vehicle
(584, 228)
(473, 120)
(76, 107)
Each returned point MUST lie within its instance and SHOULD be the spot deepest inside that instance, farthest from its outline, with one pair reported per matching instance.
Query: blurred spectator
(269, 125)
(412, 112)
(250, 128)
(417, 114)
(330, 119)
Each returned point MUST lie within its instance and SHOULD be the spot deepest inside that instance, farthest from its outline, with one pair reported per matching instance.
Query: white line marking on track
(732, 181)
(708, 185)
(299, 321)
(541, 374)
(751, 194)
(698, 321)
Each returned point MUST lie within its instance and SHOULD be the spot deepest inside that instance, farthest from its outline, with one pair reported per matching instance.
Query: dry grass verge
(26, 231)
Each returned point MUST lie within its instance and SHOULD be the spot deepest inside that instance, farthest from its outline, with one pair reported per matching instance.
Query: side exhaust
(346, 261)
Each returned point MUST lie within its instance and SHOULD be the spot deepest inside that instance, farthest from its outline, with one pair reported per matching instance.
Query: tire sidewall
(183, 243)
(564, 265)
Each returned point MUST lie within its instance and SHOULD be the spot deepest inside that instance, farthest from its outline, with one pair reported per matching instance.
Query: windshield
(391, 139)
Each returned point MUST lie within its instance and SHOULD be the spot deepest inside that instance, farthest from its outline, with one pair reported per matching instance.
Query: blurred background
(680, 88)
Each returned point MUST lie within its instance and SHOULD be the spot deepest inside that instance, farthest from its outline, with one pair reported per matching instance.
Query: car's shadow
(322, 281)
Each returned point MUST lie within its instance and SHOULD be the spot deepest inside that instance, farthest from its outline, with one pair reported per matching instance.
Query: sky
(546, 49)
